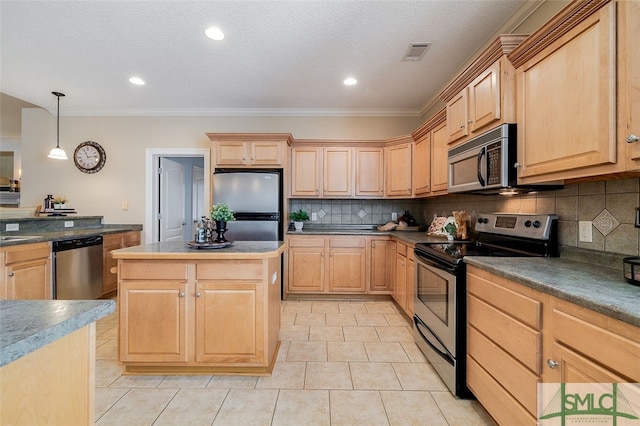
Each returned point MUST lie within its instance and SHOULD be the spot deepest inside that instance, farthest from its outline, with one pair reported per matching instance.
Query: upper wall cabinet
(336, 169)
(398, 158)
(249, 149)
(484, 93)
(430, 175)
(573, 118)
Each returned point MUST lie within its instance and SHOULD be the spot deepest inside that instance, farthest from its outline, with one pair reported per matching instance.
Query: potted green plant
(59, 202)
(221, 214)
(298, 217)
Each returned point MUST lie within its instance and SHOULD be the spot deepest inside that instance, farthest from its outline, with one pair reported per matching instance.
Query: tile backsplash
(609, 205)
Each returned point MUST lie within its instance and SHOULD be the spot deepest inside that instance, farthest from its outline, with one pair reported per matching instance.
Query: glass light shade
(58, 153)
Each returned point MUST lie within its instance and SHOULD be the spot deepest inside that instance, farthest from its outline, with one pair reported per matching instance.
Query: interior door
(172, 199)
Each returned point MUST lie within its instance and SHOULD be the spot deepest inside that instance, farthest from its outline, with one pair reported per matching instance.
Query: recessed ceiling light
(137, 81)
(350, 81)
(214, 33)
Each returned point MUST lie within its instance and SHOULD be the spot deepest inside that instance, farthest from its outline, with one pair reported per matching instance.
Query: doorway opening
(177, 192)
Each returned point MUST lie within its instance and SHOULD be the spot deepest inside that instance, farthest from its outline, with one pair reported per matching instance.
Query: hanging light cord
(58, 94)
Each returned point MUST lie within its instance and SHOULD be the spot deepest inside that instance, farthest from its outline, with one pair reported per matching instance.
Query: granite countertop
(595, 287)
(180, 250)
(28, 325)
(411, 237)
(45, 236)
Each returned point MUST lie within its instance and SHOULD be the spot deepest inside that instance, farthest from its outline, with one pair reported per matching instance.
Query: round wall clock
(89, 157)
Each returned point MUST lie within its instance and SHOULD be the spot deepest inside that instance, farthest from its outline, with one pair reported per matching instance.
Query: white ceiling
(278, 57)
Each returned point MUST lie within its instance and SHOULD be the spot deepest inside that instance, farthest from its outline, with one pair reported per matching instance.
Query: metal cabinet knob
(469, 121)
(517, 165)
(11, 274)
(633, 138)
(462, 126)
(198, 294)
(552, 364)
(181, 294)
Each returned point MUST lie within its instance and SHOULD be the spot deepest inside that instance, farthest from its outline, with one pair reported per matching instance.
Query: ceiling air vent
(416, 51)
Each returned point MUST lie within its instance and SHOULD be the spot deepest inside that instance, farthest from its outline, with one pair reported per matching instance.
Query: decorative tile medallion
(321, 214)
(605, 222)
(362, 214)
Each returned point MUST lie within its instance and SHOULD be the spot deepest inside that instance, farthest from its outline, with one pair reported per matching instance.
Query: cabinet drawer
(26, 252)
(306, 242)
(348, 242)
(141, 270)
(516, 338)
(514, 303)
(401, 249)
(220, 270)
(112, 240)
(513, 376)
(503, 407)
(614, 350)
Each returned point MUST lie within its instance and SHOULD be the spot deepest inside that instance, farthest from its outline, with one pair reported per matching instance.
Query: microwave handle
(482, 153)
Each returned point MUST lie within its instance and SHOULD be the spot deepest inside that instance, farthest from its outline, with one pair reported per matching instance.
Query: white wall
(125, 140)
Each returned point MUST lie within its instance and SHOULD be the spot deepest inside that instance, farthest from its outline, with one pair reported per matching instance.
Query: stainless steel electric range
(440, 318)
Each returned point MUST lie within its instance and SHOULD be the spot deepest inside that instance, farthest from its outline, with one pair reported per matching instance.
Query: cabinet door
(484, 98)
(629, 81)
(306, 269)
(573, 367)
(439, 158)
(152, 318)
(410, 287)
(347, 269)
(29, 280)
(422, 165)
(227, 323)
(457, 117)
(231, 153)
(400, 290)
(266, 153)
(398, 177)
(381, 266)
(338, 175)
(369, 172)
(306, 172)
(558, 136)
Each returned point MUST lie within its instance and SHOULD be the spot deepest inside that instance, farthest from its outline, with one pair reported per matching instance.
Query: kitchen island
(47, 360)
(185, 310)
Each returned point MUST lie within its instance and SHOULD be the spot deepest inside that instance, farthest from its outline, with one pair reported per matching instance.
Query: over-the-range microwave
(486, 164)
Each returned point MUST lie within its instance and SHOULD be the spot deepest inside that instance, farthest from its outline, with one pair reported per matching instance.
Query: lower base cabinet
(112, 242)
(404, 292)
(518, 337)
(25, 271)
(219, 316)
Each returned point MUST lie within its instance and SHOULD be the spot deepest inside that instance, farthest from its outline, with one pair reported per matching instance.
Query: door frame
(152, 182)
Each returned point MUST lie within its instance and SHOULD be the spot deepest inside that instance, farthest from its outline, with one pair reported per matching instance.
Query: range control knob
(483, 220)
(527, 224)
(536, 224)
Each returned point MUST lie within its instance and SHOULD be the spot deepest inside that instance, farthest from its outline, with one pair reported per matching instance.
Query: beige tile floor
(340, 363)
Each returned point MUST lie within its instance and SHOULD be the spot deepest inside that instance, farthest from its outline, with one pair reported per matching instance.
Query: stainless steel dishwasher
(77, 268)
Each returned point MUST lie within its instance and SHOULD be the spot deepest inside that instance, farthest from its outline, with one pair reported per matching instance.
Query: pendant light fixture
(57, 152)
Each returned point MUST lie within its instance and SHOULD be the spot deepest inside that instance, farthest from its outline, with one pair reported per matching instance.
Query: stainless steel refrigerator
(255, 196)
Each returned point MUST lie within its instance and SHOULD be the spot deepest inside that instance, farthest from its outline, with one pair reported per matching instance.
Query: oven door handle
(436, 345)
(429, 262)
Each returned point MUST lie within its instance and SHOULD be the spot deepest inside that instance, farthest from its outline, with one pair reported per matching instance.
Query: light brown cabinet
(369, 170)
(335, 264)
(398, 169)
(337, 172)
(26, 271)
(249, 149)
(518, 337)
(112, 242)
(306, 171)
(430, 154)
(404, 292)
(483, 94)
(383, 258)
(204, 315)
(588, 61)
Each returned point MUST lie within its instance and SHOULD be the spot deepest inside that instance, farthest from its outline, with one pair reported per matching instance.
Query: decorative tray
(195, 245)
(631, 270)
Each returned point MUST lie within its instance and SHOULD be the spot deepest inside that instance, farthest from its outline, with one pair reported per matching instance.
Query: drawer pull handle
(552, 364)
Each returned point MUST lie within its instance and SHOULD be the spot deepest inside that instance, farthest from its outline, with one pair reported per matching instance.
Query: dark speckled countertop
(595, 287)
(28, 325)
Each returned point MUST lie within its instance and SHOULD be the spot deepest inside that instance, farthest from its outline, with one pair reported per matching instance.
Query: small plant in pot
(221, 214)
(59, 202)
(298, 217)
